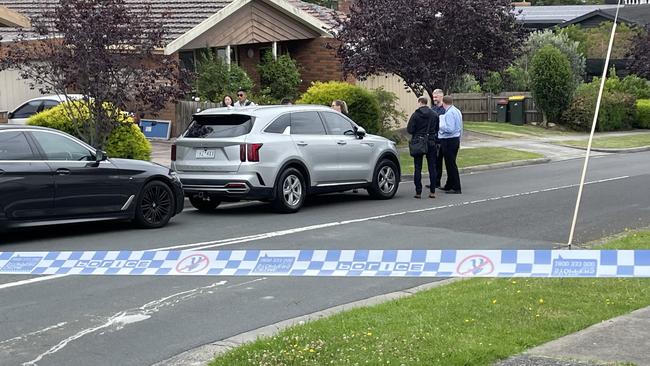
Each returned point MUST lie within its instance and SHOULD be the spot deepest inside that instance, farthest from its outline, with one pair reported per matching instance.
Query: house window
(187, 60)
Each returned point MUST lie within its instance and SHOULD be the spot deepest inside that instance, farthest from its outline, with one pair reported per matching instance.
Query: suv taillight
(173, 152)
(242, 153)
(254, 152)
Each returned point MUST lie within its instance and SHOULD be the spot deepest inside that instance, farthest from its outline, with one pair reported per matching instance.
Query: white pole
(228, 60)
(275, 51)
(593, 127)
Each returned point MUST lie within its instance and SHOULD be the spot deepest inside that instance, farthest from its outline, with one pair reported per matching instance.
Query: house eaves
(284, 6)
(10, 18)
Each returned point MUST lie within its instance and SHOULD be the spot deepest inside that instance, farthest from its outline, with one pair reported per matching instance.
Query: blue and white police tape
(335, 263)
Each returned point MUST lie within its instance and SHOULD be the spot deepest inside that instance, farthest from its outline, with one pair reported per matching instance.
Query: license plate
(205, 154)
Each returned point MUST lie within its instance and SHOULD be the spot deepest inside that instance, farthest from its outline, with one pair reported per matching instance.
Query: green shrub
(467, 83)
(125, 141)
(391, 117)
(516, 78)
(617, 110)
(279, 78)
(630, 84)
(552, 82)
(643, 113)
(214, 80)
(493, 83)
(363, 107)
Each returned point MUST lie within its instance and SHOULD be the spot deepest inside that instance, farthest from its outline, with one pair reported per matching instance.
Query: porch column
(228, 60)
(275, 50)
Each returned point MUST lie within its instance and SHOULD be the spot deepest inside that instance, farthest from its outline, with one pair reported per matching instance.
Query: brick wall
(249, 64)
(317, 62)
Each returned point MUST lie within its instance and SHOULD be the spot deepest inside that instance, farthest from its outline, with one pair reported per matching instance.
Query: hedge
(363, 107)
(617, 111)
(125, 141)
(643, 113)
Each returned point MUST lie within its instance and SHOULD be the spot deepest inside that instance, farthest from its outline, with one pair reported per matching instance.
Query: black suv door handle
(63, 171)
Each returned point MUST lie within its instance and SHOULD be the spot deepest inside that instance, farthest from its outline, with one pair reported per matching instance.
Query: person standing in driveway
(450, 132)
(421, 121)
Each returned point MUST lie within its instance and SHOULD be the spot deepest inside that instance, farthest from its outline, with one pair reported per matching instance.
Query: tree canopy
(105, 50)
(430, 44)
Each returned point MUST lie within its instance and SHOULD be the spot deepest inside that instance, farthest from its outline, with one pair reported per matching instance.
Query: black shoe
(453, 191)
(445, 189)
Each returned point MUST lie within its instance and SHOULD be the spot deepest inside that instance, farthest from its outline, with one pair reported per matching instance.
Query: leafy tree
(428, 43)
(577, 34)
(215, 80)
(467, 83)
(563, 43)
(641, 54)
(391, 116)
(551, 82)
(104, 50)
(516, 79)
(493, 83)
(598, 40)
(280, 78)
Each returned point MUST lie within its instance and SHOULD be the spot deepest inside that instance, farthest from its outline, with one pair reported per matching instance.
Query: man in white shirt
(242, 100)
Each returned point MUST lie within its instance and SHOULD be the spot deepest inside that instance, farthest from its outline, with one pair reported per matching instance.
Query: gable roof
(292, 9)
(555, 14)
(183, 15)
(631, 14)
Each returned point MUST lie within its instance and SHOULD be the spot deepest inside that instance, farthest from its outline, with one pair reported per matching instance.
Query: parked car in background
(21, 114)
(49, 177)
(280, 154)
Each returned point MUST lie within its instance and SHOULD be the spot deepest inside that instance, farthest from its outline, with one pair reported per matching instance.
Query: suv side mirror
(10, 115)
(359, 132)
(100, 156)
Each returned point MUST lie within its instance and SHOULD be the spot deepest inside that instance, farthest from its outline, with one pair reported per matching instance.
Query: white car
(21, 114)
(280, 154)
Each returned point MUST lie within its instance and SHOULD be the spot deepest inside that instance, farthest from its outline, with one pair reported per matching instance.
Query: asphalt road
(142, 320)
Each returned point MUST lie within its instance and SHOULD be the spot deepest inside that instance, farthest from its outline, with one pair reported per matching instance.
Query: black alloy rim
(156, 205)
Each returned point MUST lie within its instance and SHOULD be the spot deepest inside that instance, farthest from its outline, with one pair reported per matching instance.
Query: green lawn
(638, 140)
(476, 156)
(472, 322)
(507, 130)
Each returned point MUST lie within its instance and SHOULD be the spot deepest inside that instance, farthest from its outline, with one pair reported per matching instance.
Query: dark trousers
(431, 163)
(439, 158)
(449, 149)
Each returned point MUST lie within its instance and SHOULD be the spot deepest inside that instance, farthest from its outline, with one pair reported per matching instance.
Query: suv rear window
(207, 127)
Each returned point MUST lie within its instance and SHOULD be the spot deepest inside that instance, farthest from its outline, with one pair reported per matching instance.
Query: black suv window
(337, 124)
(28, 109)
(14, 146)
(306, 123)
(207, 127)
(280, 124)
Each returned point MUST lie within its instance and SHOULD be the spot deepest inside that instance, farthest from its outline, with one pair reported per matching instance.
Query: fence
(184, 112)
(475, 107)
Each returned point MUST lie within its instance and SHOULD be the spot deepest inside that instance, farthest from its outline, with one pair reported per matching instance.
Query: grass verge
(472, 322)
(506, 130)
(615, 142)
(475, 156)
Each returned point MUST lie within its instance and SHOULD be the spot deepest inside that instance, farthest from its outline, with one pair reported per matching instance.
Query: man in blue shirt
(449, 134)
(440, 110)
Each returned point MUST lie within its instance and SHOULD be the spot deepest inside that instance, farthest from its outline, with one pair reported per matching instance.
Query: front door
(26, 184)
(82, 185)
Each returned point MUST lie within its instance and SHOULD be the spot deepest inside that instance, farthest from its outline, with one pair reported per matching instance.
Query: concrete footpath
(620, 341)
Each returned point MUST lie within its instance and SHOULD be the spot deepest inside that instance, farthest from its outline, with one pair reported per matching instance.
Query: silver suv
(280, 154)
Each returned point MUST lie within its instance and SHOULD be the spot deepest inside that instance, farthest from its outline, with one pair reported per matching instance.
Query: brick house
(238, 31)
